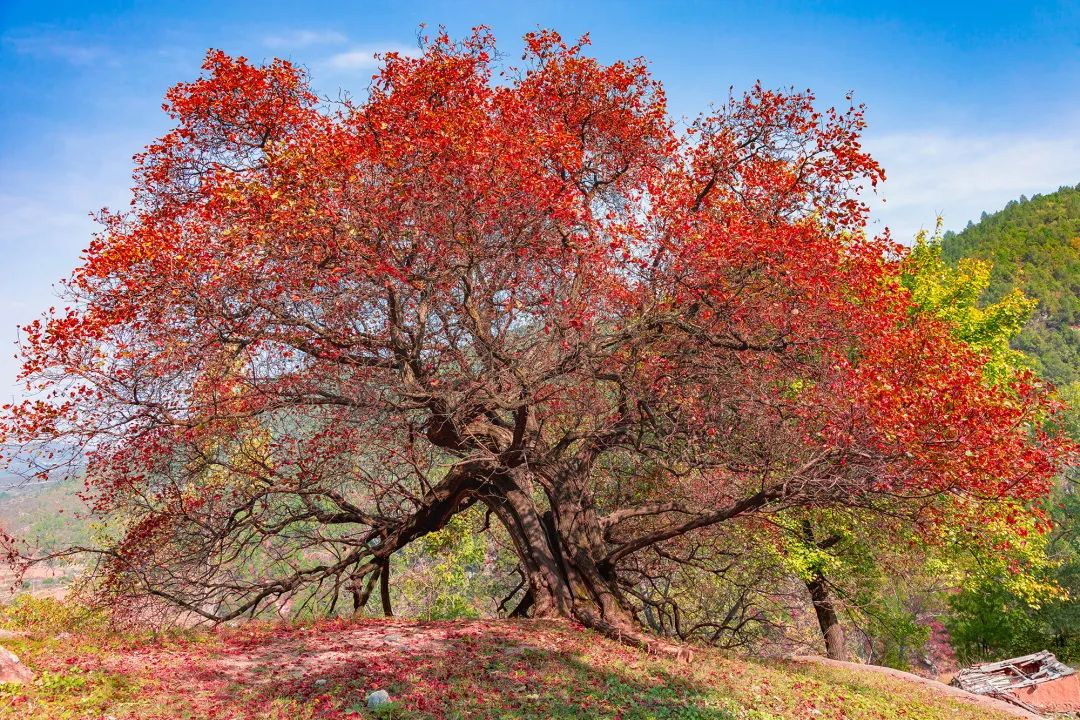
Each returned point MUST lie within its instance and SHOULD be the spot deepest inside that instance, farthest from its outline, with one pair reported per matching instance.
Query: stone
(11, 668)
(377, 698)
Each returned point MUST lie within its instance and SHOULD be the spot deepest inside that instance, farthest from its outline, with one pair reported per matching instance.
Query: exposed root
(641, 640)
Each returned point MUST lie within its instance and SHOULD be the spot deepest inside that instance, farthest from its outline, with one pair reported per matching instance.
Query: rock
(6, 634)
(377, 698)
(11, 668)
(320, 682)
(393, 638)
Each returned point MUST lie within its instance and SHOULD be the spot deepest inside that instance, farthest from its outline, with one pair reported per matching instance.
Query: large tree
(322, 330)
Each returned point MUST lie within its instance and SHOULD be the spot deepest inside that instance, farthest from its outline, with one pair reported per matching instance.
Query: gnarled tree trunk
(561, 552)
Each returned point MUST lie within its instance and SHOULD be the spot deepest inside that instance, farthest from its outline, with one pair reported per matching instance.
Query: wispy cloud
(305, 38)
(364, 57)
(959, 176)
(59, 45)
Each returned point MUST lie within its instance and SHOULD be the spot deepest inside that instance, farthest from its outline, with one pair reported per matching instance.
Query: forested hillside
(1034, 245)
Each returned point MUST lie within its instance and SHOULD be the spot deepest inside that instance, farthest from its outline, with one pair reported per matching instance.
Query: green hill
(1034, 244)
(49, 515)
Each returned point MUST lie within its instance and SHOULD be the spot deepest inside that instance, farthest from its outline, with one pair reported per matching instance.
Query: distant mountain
(1034, 244)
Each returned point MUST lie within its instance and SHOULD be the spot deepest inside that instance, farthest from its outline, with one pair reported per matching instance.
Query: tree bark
(561, 553)
(384, 588)
(827, 618)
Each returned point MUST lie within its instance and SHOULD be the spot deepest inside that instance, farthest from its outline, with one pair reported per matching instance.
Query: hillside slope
(478, 669)
(48, 516)
(1035, 245)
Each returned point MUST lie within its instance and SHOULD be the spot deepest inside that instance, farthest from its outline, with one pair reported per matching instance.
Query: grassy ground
(496, 669)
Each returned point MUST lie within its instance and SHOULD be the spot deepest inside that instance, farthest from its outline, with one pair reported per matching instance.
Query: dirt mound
(437, 670)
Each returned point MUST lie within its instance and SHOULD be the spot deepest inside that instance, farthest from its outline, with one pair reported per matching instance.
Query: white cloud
(960, 176)
(56, 45)
(305, 38)
(364, 58)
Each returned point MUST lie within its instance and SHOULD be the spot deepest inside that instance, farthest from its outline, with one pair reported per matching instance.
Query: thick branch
(754, 502)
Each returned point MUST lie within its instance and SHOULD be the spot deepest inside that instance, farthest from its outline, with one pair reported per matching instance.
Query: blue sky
(969, 104)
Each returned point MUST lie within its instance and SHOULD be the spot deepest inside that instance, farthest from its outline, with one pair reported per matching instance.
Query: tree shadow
(459, 673)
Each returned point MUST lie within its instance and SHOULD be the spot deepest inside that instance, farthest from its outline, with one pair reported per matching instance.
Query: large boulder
(11, 668)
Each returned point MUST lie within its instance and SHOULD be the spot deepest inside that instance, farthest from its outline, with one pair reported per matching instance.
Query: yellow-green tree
(952, 293)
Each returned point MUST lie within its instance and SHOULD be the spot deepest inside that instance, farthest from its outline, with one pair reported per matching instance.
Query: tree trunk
(384, 588)
(559, 550)
(824, 608)
(828, 621)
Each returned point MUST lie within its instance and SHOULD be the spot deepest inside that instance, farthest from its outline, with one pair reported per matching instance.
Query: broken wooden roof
(1002, 676)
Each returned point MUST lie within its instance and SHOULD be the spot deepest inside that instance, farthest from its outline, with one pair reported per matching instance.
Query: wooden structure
(1036, 682)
